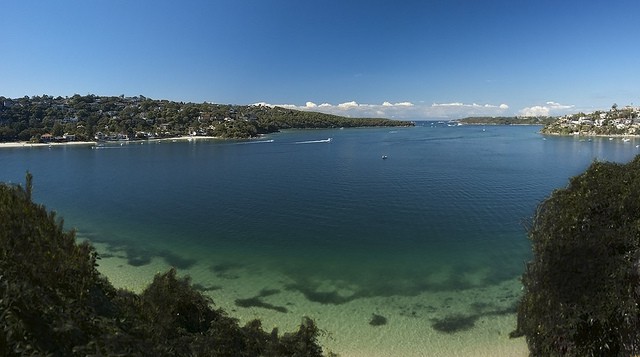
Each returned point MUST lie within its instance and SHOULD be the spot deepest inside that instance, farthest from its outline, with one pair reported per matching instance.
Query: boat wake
(256, 142)
(328, 140)
(107, 147)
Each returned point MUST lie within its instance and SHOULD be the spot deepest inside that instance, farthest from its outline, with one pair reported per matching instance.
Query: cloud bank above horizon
(400, 110)
(410, 111)
(549, 108)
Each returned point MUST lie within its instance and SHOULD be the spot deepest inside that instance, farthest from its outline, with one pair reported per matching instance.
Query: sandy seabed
(346, 327)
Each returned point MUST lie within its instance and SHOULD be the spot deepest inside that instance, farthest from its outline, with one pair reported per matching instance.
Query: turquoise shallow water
(444, 212)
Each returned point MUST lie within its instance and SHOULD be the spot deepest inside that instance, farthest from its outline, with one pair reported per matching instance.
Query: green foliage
(53, 301)
(84, 116)
(582, 289)
(282, 118)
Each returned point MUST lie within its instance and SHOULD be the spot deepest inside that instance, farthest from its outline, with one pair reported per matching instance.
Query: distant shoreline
(498, 124)
(26, 144)
(594, 135)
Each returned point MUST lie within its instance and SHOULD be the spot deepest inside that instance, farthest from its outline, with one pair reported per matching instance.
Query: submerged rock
(377, 320)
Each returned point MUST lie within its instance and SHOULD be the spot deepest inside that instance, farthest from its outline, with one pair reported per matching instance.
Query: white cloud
(456, 104)
(554, 105)
(402, 110)
(535, 111)
(550, 108)
(347, 105)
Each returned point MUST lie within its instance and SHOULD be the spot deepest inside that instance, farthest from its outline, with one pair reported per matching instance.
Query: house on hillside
(46, 138)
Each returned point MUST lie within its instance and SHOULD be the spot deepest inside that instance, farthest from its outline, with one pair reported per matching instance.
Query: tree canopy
(582, 288)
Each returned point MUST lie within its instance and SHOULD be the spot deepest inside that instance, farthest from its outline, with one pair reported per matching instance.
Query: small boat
(384, 157)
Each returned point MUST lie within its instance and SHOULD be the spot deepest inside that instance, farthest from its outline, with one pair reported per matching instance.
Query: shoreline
(497, 124)
(594, 135)
(26, 144)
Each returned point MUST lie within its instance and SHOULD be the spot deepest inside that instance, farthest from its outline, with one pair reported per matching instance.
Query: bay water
(413, 224)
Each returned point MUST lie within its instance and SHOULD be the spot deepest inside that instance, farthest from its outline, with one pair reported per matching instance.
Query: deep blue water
(453, 198)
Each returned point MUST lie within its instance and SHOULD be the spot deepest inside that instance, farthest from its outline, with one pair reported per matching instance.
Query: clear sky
(400, 59)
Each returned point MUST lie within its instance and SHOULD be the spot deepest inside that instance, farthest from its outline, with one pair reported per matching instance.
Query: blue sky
(399, 59)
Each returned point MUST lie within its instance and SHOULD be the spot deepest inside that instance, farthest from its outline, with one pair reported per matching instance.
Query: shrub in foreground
(53, 301)
(582, 288)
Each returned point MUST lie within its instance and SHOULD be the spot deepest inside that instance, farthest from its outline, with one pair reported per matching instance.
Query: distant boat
(626, 140)
(384, 157)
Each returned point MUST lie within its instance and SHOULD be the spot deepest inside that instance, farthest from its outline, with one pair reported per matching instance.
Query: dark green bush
(582, 288)
(54, 302)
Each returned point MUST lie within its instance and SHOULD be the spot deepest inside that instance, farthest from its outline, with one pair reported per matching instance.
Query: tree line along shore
(90, 117)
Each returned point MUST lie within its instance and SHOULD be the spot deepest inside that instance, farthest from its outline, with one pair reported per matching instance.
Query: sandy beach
(26, 144)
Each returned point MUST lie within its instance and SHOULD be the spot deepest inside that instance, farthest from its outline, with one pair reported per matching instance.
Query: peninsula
(90, 117)
(616, 121)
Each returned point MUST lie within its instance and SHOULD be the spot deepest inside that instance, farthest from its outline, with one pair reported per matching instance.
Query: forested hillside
(84, 117)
